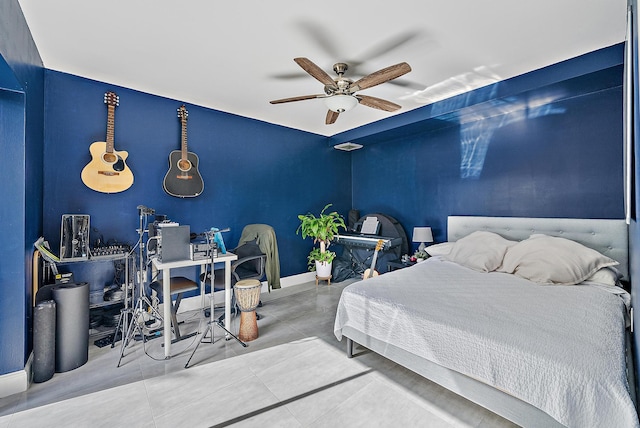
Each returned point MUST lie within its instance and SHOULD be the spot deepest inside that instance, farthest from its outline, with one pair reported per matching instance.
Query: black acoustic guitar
(183, 180)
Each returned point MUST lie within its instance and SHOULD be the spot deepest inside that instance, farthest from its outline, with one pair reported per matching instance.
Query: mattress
(558, 348)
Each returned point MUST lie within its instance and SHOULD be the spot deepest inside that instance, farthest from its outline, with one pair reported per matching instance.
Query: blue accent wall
(253, 172)
(556, 159)
(545, 144)
(21, 134)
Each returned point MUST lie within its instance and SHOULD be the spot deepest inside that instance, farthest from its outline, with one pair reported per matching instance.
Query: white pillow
(481, 250)
(553, 260)
(607, 276)
(440, 249)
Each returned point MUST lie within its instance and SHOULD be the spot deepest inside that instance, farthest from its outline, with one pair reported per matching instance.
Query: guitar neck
(183, 139)
(373, 263)
(374, 260)
(111, 113)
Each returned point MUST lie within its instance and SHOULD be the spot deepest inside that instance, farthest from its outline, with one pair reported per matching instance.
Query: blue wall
(254, 172)
(21, 134)
(563, 162)
(550, 149)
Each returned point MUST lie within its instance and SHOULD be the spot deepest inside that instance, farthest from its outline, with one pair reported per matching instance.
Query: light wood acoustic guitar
(371, 272)
(183, 180)
(107, 172)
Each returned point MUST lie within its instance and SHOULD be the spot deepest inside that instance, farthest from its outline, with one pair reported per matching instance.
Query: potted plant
(421, 255)
(323, 229)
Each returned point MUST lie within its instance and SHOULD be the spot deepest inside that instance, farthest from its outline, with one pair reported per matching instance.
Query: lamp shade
(422, 234)
(341, 103)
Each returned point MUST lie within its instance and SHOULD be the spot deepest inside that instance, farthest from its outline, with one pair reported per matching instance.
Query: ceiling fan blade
(331, 117)
(378, 103)
(315, 71)
(300, 98)
(321, 36)
(289, 76)
(386, 46)
(380, 76)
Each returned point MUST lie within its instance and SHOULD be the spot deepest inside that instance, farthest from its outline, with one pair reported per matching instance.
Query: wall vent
(347, 147)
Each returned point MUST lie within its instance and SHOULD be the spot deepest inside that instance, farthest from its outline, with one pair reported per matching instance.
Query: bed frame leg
(349, 348)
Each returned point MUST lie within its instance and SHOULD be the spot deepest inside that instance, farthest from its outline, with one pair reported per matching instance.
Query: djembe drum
(247, 292)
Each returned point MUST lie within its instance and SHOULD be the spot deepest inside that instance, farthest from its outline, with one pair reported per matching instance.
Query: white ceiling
(235, 56)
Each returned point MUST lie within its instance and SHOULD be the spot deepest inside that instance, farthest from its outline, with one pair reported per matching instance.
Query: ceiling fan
(340, 93)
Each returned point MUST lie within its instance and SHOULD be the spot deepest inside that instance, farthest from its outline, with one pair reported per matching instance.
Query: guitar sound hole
(184, 165)
(109, 157)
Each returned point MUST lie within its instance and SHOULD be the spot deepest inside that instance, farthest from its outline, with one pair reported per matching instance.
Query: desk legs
(166, 292)
(227, 296)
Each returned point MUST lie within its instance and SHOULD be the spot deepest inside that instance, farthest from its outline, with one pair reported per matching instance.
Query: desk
(166, 289)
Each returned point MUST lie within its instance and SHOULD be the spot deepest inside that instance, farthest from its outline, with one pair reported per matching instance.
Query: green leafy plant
(323, 229)
(318, 256)
(421, 254)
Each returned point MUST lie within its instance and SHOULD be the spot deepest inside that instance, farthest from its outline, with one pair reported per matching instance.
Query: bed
(538, 355)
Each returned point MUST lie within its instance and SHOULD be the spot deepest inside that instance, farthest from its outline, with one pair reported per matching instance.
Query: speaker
(44, 341)
(354, 216)
(72, 325)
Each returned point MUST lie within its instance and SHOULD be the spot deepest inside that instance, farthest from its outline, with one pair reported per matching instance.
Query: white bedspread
(559, 348)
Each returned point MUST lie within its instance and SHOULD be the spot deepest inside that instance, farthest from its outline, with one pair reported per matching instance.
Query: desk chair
(179, 286)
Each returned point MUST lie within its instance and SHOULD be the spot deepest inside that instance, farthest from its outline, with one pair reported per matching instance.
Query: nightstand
(398, 264)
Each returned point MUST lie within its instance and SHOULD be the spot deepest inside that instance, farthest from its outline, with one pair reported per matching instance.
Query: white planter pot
(323, 269)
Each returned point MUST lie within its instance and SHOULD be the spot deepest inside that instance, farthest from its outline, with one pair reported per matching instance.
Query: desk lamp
(422, 235)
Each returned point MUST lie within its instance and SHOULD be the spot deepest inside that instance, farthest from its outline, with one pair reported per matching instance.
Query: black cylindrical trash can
(44, 341)
(72, 325)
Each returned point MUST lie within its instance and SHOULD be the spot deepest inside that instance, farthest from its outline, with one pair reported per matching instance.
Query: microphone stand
(137, 318)
(210, 234)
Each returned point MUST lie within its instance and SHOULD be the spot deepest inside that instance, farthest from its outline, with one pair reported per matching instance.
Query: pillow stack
(552, 260)
(482, 251)
(540, 258)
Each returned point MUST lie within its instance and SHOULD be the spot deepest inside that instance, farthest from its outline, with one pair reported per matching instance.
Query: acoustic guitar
(107, 172)
(371, 272)
(183, 180)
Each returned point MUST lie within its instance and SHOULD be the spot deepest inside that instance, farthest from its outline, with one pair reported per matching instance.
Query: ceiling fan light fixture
(341, 103)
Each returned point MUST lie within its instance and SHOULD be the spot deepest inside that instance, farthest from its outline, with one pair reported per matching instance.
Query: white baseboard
(195, 302)
(297, 279)
(16, 382)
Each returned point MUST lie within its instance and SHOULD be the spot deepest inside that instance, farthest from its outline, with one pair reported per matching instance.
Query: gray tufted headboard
(609, 237)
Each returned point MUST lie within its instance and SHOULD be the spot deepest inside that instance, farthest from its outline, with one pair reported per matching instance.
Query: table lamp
(422, 235)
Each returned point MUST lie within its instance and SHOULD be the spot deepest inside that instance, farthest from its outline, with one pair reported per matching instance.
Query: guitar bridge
(108, 173)
(184, 177)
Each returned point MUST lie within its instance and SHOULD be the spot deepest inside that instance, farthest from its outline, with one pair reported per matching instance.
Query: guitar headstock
(379, 245)
(183, 113)
(111, 99)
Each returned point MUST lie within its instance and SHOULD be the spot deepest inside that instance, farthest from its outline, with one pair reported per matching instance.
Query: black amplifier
(203, 250)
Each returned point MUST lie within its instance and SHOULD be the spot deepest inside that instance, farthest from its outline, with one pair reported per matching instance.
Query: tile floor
(295, 374)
